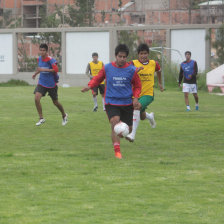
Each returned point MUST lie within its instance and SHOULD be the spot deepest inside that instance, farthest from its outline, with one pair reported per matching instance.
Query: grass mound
(14, 82)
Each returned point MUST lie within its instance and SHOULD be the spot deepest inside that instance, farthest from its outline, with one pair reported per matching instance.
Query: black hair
(188, 52)
(44, 46)
(121, 48)
(94, 54)
(143, 47)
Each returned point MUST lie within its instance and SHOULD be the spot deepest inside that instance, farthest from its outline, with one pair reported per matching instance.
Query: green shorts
(145, 101)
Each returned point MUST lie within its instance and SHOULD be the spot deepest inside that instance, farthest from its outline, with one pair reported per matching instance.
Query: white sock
(95, 101)
(148, 116)
(103, 103)
(188, 107)
(196, 104)
(136, 119)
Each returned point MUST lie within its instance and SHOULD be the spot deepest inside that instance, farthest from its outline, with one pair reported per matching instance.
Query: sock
(148, 116)
(95, 101)
(103, 103)
(117, 147)
(196, 104)
(136, 119)
(188, 107)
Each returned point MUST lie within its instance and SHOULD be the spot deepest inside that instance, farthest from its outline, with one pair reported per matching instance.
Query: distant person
(122, 83)
(48, 69)
(92, 70)
(147, 68)
(189, 70)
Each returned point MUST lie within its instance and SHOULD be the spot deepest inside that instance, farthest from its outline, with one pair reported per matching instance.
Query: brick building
(119, 12)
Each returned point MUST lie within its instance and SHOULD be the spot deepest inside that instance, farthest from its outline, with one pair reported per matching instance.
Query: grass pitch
(173, 174)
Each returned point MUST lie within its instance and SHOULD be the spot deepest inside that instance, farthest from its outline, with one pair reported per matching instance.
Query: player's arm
(88, 73)
(137, 87)
(96, 80)
(158, 72)
(55, 68)
(195, 69)
(181, 74)
(37, 72)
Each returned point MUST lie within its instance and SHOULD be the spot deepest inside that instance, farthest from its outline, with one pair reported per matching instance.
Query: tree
(130, 38)
(81, 13)
(219, 45)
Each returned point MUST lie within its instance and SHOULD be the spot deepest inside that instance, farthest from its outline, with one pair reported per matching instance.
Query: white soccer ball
(121, 129)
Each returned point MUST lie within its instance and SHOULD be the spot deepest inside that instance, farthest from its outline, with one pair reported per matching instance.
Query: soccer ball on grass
(121, 129)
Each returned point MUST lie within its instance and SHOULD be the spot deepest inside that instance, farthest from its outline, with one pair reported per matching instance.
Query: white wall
(79, 49)
(6, 54)
(189, 40)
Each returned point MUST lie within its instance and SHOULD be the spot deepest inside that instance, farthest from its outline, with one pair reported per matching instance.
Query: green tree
(81, 13)
(219, 45)
(131, 39)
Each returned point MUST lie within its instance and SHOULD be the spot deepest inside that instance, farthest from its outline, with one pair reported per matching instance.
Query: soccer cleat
(152, 120)
(118, 155)
(41, 121)
(65, 120)
(130, 138)
(196, 107)
(188, 110)
(95, 109)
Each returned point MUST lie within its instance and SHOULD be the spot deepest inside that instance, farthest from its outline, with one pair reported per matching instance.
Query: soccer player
(189, 70)
(48, 69)
(147, 68)
(92, 70)
(120, 77)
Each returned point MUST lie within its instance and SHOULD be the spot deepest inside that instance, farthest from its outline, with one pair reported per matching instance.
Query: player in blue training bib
(188, 71)
(48, 69)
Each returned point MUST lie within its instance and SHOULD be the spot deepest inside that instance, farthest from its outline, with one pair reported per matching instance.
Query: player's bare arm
(45, 70)
(160, 81)
(85, 89)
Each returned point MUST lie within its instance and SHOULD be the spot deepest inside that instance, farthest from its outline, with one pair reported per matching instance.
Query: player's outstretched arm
(85, 89)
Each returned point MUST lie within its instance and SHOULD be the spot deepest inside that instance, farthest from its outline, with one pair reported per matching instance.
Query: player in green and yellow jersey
(92, 70)
(147, 68)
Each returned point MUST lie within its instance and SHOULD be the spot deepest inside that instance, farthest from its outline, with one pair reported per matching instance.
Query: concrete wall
(81, 79)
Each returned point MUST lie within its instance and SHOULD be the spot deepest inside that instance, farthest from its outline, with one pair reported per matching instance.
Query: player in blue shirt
(189, 71)
(48, 69)
(121, 84)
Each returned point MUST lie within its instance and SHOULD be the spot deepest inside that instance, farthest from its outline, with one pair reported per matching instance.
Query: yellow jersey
(147, 76)
(95, 68)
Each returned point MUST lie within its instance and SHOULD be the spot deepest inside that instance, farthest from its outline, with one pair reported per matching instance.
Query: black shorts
(100, 87)
(52, 92)
(124, 112)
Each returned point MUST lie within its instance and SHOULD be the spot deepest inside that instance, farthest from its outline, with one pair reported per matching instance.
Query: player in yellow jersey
(92, 70)
(147, 68)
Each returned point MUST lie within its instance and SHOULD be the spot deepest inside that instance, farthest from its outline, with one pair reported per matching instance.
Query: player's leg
(136, 118)
(53, 92)
(195, 94)
(186, 99)
(95, 93)
(39, 93)
(186, 90)
(102, 90)
(113, 113)
(196, 101)
(145, 101)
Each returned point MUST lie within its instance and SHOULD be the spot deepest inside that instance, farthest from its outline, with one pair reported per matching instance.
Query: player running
(48, 69)
(147, 69)
(92, 70)
(189, 70)
(120, 77)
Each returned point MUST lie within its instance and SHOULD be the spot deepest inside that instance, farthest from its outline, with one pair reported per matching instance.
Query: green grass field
(51, 174)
